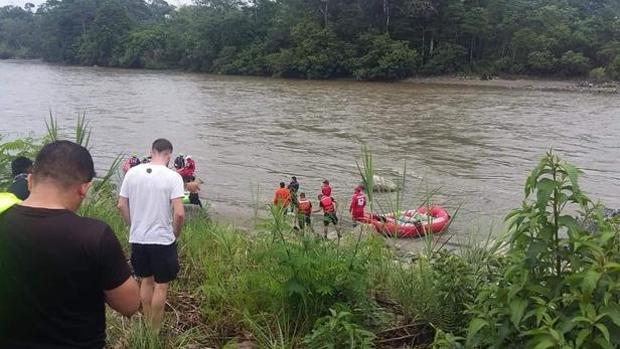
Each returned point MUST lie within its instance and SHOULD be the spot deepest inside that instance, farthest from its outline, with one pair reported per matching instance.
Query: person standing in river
(282, 198)
(58, 269)
(151, 202)
(326, 189)
(328, 204)
(304, 212)
(293, 186)
(358, 204)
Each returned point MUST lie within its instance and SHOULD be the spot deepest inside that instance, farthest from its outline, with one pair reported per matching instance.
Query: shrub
(447, 58)
(613, 70)
(574, 63)
(598, 74)
(383, 58)
(337, 330)
(317, 54)
(436, 290)
(541, 62)
(560, 284)
(281, 279)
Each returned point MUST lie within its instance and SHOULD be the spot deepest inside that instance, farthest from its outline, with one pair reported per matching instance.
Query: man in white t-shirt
(151, 202)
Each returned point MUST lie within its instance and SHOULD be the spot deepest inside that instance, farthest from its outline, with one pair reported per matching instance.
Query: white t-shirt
(150, 189)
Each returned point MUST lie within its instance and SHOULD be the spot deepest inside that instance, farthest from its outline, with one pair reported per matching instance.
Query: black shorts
(159, 261)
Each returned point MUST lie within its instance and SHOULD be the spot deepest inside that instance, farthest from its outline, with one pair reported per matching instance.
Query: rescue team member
(187, 172)
(282, 198)
(328, 204)
(326, 189)
(293, 187)
(21, 167)
(304, 212)
(58, 269)
(358, 203)
(151, 202)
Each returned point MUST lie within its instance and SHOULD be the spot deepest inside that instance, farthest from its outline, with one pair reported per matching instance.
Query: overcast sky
(37, 2)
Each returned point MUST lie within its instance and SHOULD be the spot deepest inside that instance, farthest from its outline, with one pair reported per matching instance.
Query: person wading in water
(328, 204)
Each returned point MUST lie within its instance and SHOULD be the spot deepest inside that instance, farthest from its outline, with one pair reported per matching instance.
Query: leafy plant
(337, 330)
(560, 284)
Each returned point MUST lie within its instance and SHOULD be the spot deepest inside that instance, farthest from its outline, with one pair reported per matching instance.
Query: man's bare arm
(123, 207)
(178, 216)
(125, 298)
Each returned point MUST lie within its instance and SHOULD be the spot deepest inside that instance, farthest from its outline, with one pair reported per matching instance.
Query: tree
(102, 40)
(382, 58)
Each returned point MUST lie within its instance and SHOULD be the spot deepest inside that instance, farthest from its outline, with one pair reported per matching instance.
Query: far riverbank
(520, 83)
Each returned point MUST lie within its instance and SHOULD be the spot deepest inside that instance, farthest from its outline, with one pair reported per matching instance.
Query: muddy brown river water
(473, 145)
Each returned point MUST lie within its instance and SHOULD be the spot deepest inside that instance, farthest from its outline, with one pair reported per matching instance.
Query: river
(474, 145)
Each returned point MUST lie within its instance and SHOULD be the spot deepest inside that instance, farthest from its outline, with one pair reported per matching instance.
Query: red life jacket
(358, 202)
(328, 204)
(305, 206)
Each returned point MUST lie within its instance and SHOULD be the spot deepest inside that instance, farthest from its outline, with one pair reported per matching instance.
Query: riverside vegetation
(317, 39)
(547, 283)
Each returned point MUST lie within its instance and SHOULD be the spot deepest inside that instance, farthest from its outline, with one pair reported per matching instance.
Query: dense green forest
(317, 39)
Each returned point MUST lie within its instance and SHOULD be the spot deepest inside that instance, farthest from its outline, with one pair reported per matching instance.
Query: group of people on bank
(287, 199)
(58, 269)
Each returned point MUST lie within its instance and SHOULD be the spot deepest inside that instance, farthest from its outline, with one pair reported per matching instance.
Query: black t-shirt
(54, 267)
(19, 188)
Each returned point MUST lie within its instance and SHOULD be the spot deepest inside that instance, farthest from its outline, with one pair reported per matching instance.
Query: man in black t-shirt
(21, 167)
(57, 269)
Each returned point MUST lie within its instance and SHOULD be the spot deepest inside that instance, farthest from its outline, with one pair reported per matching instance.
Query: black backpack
(179, 162)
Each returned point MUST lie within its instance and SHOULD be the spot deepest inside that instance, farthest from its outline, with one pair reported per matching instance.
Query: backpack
(179, 162)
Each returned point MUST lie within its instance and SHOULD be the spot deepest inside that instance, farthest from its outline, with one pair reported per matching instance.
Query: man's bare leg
(146, 295)
(158, 305)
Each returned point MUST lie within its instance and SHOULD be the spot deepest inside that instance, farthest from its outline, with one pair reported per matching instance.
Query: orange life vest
(328, 204)
(305, 206)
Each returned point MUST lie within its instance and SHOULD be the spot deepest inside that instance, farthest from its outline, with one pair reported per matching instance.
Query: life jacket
(358, 202)
(305, 206)
(8, 200)
(328, 204)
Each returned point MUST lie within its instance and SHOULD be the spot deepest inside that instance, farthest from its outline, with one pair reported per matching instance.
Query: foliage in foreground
(560, 283)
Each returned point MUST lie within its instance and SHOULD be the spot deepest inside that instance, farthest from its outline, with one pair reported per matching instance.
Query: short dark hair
(20, 164)
(161, 145)
(65, 162)
(294, 178)
(302, 195)
(282, 185)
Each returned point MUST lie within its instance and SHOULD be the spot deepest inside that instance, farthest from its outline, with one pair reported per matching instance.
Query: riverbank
(520, 83)
(517, 82)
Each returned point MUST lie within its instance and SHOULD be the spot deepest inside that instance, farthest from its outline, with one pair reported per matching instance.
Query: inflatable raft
(411, 223)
